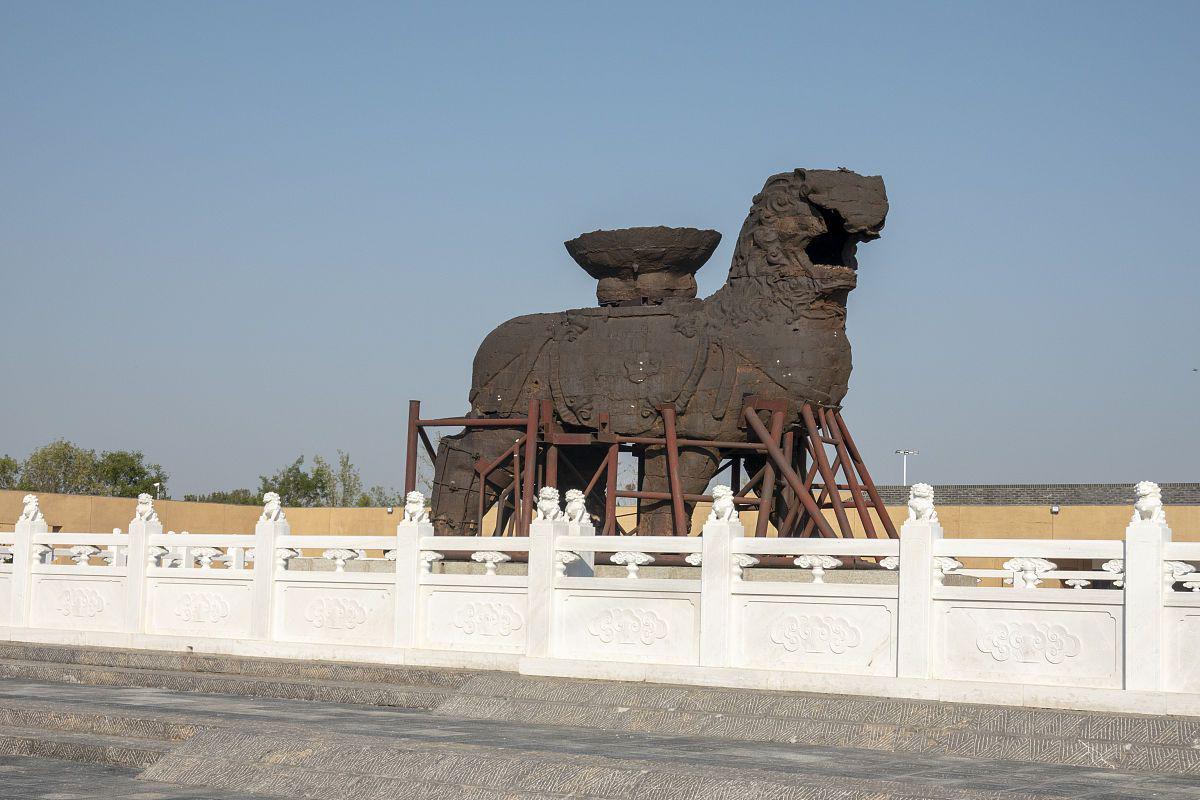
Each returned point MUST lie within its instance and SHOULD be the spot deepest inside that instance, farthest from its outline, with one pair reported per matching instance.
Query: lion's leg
(697, 465)
(455, 502)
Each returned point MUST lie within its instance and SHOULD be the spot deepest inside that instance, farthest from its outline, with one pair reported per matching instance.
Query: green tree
(325, 485)
(379, 497)
(238, 497)
(124, 473)
(10, 472)
(59, 467)
(65, 468)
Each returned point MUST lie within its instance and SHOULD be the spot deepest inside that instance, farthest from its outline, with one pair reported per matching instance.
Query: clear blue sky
(231, 233)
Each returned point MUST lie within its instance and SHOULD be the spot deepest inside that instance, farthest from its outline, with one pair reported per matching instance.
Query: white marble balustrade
(1091, 624)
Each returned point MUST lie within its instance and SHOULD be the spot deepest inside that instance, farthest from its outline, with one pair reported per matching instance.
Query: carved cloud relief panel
(1029, 642)
(492, 621)
(638, 627)
(851, 635)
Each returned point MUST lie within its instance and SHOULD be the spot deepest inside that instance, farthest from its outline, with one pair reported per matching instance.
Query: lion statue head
(808, 224)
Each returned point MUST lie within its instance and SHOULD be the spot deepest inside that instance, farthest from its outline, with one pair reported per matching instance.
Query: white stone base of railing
(1000, 694)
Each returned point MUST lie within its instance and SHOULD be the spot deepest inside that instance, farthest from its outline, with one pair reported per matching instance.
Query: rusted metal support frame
(829, 424)
(767, 496)
(610, 490)
(719, 445)
(678, 512)
(788, 473)
(410, 452)
(527, 487)
(789, 443)
(691, 498)
(502, 497)
(429, 448)
(827, 476)
(796, 510)
(869, 484)
(600, 471)
(824, 495)
(474, 422)
(590, 490)
(518, 494)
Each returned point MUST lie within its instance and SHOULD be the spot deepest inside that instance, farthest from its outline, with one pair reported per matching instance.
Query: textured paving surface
(224, 727)
(1079, 739)
(320, 750)
(51, 779)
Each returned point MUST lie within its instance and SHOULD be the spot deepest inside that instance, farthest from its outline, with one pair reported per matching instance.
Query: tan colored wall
(78, 514)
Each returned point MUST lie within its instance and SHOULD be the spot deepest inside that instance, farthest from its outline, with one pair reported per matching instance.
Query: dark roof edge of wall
(1038, 494)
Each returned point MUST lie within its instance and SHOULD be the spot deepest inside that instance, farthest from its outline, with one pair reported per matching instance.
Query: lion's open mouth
(835, 250)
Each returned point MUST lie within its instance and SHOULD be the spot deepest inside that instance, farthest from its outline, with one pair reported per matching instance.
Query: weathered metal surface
(776, 330)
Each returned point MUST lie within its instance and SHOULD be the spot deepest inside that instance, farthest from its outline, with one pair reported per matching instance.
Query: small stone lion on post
(920, 503)
(414, 507)
(144, 510)
(1148, 507)
(723, 508)
(272, 508)
(548, 507)
(30, 510)
(576, 510)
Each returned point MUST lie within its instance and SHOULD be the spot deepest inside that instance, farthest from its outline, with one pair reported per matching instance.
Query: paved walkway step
(208, 663)
(85, 747)
(358, 693)
(91, 720)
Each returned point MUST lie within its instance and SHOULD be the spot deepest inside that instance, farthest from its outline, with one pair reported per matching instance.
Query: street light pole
(904, 454)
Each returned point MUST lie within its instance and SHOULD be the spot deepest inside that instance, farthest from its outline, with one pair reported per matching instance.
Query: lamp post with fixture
(904, 454)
